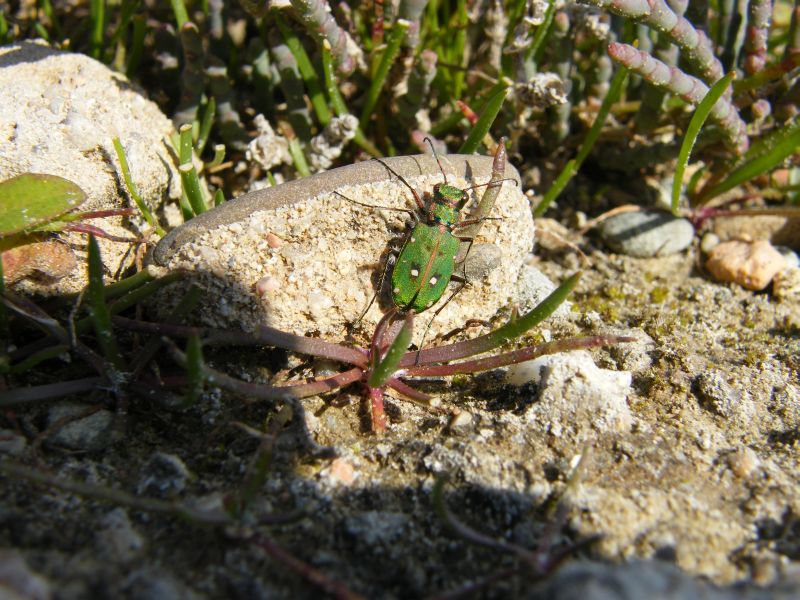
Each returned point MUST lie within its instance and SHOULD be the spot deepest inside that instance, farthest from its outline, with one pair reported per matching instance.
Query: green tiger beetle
(427, 260)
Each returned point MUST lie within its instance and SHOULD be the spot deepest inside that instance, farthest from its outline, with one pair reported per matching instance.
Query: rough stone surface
(532, 288)
(781, 231)
(722, 398)
(302, 258)
(58, 115)
(636, 581)
(117, 539)
(571, 385)
(18, 581)
(647, 234)
(749, 264)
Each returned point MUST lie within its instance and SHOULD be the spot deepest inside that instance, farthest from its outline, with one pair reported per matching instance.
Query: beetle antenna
(436, 156)
(492, 182)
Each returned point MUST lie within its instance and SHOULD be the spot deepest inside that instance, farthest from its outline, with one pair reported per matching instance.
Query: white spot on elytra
(413, 239)
(414, 273)
(396, 290)
(433, 280)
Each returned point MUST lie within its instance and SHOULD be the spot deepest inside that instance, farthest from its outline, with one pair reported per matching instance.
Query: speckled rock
(58, 115)
(571, 385)
(646, 234)
(749, 264)
(302, 258)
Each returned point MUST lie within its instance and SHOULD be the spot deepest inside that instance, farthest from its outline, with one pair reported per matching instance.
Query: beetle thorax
(448, 200)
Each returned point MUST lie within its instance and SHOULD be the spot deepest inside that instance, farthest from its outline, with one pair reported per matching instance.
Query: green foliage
(692, 131)
(30, 201)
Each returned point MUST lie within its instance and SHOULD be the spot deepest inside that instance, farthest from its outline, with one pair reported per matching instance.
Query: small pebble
(709, 242)
(17, 581)
(461, 419)
(265, 285)
(647, 234)
(274, 241)
(164, 476)
(86, 434)
(743, 462)
(11, 442)
(749, 264)
(341, 471)
(790, 256)
(117, 540)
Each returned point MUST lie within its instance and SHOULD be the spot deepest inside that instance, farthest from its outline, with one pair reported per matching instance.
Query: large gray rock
(302, 258)
(58, 115)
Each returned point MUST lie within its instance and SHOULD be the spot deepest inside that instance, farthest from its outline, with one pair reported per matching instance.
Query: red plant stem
(518, 356)
(97, 232)
(407, 391)
(376, 407)
(265, 336)
(326, 384)
(306, 571)
(470, 114)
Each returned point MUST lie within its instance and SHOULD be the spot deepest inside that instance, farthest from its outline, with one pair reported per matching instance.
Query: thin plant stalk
(189, 177)
(387, 366)
(487, 117)
(490, 341)
(194, 370)
(97, 15)
(179, 10)
(126, 176)
(99, 313)
(396, 37)
(785, 144)
(337, 101)
(306, 69)
(588, 143)
(692, 132)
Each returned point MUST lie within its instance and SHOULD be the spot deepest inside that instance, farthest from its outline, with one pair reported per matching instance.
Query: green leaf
(32, 199)
(484, 123)
(387, 367)
(692, 131)
(759, 159)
